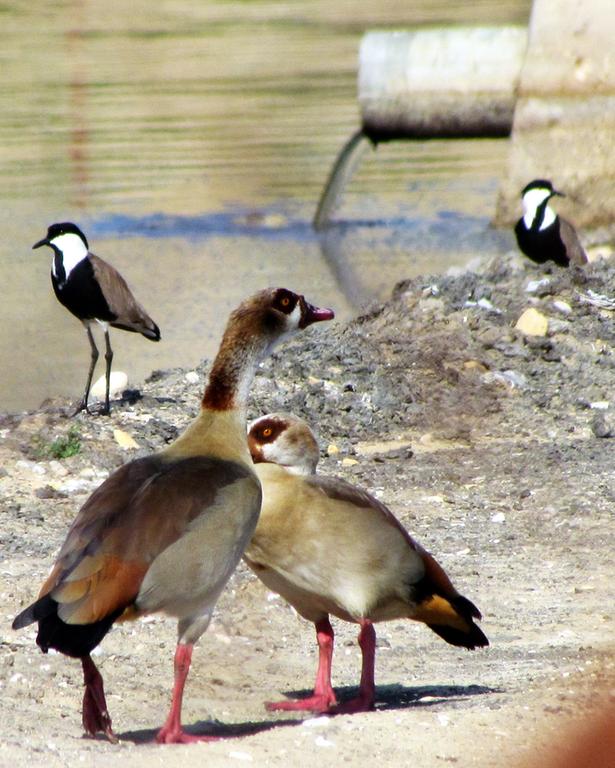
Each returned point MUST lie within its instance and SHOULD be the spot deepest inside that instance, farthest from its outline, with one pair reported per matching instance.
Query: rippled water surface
(191, 141)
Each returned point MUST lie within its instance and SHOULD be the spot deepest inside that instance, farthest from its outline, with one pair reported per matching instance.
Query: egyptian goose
(165, 532)
(94, 292)
(330, 548)
(541, 234)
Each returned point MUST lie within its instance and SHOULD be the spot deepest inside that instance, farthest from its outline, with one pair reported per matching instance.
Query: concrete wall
(564, 120)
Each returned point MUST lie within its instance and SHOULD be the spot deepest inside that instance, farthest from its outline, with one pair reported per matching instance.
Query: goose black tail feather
(473, 636)
(75, 640)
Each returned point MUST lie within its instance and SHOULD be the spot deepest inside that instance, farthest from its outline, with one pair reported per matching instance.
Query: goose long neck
(232, 372)
(220, 428)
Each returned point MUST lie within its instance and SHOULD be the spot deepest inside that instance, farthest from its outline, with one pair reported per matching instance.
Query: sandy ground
(494, 448)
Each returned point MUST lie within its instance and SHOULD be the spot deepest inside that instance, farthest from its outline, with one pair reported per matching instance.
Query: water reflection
(79, 135)
(191, 141)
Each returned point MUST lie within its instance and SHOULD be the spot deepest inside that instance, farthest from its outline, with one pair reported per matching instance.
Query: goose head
(281, 438)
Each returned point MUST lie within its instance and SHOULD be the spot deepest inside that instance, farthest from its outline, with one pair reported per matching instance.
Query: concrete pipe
(433, 83)
(440, 83)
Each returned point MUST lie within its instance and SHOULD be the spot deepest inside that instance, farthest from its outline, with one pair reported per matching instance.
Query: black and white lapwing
(94, 292)
(542, 235)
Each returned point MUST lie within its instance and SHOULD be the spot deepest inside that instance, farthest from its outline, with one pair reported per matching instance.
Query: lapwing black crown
(62, 228)
(537, 184)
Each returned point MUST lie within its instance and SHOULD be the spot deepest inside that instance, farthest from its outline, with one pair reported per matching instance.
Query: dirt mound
(492, 445)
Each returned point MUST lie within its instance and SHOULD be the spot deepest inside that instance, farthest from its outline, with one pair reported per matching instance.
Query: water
(191, 141)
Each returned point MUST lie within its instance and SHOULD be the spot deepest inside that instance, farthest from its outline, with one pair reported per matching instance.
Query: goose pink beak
(311, 314)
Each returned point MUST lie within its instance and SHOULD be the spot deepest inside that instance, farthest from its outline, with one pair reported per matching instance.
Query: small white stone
(192, 377)
(599, 405)
(31, 466)
(562, 306)
(117, 382)
(483, 304)
(499, 517)
(317, 722)
(511, 379)
(486, 304)
(74, 486)
(535, 285)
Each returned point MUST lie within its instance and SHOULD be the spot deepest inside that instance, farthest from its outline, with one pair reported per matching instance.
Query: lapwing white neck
(93, 291)
(71, 251)
(537, 213)
(541, 234)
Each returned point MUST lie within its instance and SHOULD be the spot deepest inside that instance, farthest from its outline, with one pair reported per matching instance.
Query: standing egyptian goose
(165, 532)
(94, 292)
(541, 234)
(330, 548)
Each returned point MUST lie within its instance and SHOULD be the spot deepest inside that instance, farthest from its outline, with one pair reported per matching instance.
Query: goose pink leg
(364, 702)
(323, 697)
(172, 731)
(95, 716)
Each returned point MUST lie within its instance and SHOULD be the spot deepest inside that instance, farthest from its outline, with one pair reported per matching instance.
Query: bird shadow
(388, 697)
(396, 696)
(212, 728)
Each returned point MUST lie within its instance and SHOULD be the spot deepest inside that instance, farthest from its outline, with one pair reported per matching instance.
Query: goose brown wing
(138, 512)
(335, 488)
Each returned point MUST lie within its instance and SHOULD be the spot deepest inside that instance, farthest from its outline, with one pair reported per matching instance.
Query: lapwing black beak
(40, 243)
(555, 193)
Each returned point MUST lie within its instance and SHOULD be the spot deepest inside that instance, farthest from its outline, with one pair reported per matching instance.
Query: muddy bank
(495, 448)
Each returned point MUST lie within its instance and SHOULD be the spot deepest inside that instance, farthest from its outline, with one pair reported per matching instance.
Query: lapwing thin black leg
(83, 405)
(109, 359)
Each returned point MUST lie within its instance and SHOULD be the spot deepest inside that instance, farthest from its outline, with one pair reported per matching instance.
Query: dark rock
(48, 492)
(600, 427)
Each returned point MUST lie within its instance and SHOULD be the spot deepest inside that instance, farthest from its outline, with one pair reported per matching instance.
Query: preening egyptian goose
(541, 234)
(94, 292)
(165, 532)
(330, 548)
